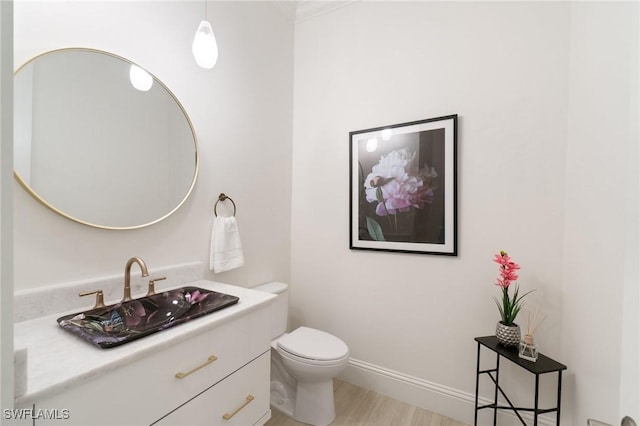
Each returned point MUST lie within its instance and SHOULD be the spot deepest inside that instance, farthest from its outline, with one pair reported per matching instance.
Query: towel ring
(223, 197)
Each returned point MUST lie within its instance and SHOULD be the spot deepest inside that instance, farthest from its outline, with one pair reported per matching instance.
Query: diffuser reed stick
(532, 325)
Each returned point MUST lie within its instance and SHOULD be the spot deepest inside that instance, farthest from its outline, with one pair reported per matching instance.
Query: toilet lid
(313, 344)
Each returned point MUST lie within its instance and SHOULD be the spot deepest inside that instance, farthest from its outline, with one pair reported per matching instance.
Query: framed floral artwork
(403, 187)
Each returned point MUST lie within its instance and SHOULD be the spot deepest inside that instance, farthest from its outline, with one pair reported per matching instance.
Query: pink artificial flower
(507, 305)
(507, 269)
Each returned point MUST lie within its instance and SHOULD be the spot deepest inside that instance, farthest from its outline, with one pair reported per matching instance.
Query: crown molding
(287, 8)
(308, 9)
(303, 10)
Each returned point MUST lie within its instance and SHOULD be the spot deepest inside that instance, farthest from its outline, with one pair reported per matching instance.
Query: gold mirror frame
(44, 202)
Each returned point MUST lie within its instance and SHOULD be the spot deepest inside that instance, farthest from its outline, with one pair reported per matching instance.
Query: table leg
(535, 408)
(495, 397)
(559, 397)
(475, 418)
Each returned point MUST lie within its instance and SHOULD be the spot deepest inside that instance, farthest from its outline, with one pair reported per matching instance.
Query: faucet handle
(99, 298)
(152, 285)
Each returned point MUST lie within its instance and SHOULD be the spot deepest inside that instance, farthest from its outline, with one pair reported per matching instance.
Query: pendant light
(205, 48)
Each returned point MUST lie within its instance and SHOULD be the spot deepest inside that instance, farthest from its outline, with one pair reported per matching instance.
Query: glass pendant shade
(205, 49)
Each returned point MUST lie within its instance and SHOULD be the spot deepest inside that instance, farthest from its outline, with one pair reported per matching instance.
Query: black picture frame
(403, 187)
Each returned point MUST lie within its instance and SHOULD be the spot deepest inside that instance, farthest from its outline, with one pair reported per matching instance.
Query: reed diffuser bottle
(528, 349)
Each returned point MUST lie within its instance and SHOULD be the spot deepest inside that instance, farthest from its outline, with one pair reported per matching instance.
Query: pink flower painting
(402, 187)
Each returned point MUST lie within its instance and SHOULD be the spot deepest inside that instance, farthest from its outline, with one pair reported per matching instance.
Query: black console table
(542, 366)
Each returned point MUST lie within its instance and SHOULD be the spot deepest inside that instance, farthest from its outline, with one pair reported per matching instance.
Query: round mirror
(100, 140)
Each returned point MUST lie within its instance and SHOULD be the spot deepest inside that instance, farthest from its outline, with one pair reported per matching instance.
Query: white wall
(508, 71)
(600, 309)
(242, 114)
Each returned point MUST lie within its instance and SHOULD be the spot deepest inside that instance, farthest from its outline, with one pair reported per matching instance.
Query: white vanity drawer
(240, 399)
(210, 357)
(203, 361)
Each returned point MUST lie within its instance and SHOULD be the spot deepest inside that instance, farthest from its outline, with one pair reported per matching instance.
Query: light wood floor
(357, 406)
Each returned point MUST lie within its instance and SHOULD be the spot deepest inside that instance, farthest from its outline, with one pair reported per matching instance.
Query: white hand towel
(226, 249)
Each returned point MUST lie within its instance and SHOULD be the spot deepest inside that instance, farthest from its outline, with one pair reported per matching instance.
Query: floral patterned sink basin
(121, 323)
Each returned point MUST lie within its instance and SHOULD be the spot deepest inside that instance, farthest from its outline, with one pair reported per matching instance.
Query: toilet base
(285, 406)
(314, 403)
(283, 397)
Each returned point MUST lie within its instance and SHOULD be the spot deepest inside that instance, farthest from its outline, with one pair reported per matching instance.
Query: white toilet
(303, 365)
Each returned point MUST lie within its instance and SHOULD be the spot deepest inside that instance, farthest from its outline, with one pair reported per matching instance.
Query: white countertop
(58, 360)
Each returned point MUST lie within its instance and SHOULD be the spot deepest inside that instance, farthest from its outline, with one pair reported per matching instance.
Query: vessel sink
(121, 323)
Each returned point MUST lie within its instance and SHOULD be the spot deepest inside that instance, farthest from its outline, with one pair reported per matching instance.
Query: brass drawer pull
(181, 375)
(228, 416)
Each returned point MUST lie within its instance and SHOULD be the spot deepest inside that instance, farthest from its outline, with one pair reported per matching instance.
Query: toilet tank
(279, 308)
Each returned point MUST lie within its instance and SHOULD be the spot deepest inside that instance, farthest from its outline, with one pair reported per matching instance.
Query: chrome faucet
(127, 275)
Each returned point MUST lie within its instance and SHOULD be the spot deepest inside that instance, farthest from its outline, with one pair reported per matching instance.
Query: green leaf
(502, 316)
(375, 230)
(512, 305)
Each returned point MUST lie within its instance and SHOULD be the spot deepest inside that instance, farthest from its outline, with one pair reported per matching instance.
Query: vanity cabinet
(192, 381)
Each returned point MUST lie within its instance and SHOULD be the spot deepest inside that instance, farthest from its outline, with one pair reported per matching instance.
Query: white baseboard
(441, 399)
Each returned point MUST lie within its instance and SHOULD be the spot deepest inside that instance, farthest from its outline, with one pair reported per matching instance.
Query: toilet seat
(313, 346)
